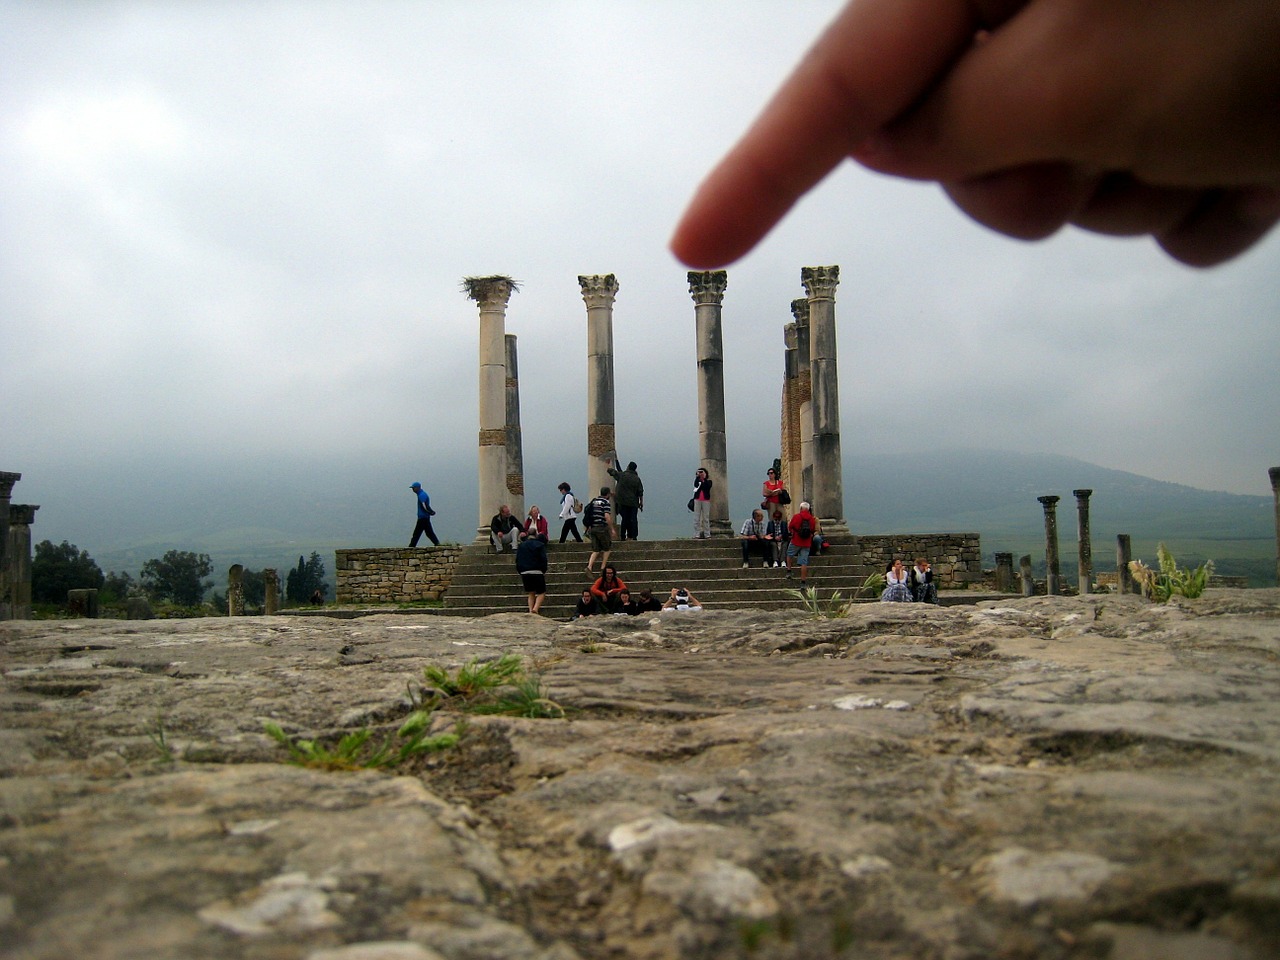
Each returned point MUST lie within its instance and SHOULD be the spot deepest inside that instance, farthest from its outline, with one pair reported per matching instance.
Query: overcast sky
(236, 232)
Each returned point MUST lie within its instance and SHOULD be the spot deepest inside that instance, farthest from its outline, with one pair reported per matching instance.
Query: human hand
(1125, 117)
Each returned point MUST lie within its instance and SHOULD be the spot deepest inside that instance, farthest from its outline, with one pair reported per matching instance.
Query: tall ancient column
(828, 471)
(515, 442)
(1053, 569)
(1085, 545)
(492, 294)
(1274, 473)
(598, 293)
(21, 516)
(7, 481)
(707, 289)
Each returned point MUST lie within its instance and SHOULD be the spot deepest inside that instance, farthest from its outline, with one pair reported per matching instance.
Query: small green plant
(873, 586)
(158, 740)
(354, 751)
(476, 678)
(833, 608)
(501, 686)
(1170, 580)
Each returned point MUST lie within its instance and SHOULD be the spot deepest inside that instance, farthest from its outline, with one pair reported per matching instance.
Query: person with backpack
(570, 507)
(597, 517)
(802, 526)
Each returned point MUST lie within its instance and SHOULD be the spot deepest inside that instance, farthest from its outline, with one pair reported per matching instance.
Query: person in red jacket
(608, 589)
(802, 526)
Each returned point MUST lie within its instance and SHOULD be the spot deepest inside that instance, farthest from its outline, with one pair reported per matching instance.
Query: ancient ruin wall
(956, 557)
(395, 575)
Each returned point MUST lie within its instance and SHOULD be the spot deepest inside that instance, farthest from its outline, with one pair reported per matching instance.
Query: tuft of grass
(833, 608)
(476, 678)
(158, 740)
(355, 751)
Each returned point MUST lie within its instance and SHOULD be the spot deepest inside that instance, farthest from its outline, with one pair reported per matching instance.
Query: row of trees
(179, 577)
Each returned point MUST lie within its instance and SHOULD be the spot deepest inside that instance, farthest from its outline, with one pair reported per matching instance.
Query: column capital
(598, 290)
(1049, 502)
(820, 282)
(1082, 494)
(23, 513)
(490, 290)
(7, 480)
(800, 310)
(707, 286)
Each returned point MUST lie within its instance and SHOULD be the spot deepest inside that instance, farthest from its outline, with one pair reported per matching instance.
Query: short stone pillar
(515, 443)
(828, 469)
(707, 289)
(7, 482)
(235, 590)
(1274, 472)
(1053, 567)
(1085, 546)
(1004, 572)
(1028, 579)
(271, 586)
(1124, 576)
(21, 516)
(599, 292)
(83, 602)
(492, 294)
(138, 608)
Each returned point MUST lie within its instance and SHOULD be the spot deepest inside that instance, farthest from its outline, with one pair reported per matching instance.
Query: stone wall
(956, 557)
(394, 575)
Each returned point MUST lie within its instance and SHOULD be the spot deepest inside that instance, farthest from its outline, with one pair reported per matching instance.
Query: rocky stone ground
(1092, 777)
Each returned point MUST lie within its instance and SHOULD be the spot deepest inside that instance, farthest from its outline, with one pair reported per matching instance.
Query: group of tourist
(610, 595)
(909, 586)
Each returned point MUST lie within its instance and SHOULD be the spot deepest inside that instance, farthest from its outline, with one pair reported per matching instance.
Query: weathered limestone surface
(1051, 777)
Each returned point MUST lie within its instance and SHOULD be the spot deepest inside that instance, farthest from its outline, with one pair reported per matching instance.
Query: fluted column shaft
(492, 295)
(828, 472)
(598, 293)
(1053, 567)
(7, 482)
(1083, 538)
(707, 290)
(515, 441)
(21, 516)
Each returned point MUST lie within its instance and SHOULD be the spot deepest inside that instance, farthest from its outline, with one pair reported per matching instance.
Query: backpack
(577, 505)
(589, 514)
(805, 531)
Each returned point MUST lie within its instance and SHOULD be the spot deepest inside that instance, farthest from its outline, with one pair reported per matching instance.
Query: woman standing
(701, 505)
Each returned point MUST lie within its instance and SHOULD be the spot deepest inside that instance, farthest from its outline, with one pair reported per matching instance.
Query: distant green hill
(994, 493)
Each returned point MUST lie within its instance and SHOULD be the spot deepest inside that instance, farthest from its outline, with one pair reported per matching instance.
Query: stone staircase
(485, 582)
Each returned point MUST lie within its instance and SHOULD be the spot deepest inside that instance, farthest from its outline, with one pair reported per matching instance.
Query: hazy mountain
(273, 513)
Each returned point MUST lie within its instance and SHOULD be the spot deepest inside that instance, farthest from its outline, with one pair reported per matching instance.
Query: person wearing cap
(425, 513)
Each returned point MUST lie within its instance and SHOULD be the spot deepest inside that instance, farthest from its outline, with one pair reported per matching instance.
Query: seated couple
(909, 586)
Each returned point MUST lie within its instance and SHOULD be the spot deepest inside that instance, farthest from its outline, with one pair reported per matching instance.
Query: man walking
(628, 495)
(803, 526)
(597, 517)
(425, 513)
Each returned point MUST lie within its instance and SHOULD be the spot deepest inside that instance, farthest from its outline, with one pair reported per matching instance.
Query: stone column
(1274, 473)
(271, 585)
(1124, 553)
(83, 602)
(1053, 569)
(828, 471)
(1085, 545)
(515, 443)
(803, 465)
(492, 294)
(21, 516)
(598, 293)
(707, 289)
(1004, 572)
(235, 590)
(1028, 579)
(7, 481)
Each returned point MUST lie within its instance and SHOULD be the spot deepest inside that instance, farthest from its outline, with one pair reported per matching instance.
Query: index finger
(874, 60)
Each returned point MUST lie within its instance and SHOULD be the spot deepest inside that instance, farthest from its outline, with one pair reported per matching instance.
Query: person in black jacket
(701, 505)
(920, 580)
(531, 564)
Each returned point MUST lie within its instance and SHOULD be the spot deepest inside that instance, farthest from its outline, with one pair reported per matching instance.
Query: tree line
(180, 577)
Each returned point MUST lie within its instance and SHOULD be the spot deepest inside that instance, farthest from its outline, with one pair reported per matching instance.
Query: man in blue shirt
(425, 513)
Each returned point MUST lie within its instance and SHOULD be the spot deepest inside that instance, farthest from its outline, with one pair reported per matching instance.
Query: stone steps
(485, 582)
